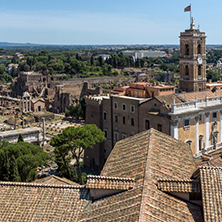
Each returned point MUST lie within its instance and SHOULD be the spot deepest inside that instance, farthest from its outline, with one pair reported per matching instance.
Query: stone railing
(209, 149)
(195, 104)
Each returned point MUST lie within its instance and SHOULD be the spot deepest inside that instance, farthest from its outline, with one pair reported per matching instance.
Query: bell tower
(192, 60)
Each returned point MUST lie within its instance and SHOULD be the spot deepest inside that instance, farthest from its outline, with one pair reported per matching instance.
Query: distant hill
(9, 44)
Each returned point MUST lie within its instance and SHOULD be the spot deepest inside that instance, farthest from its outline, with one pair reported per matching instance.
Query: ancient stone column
(26, 104)
(174, 129)
(43, 130)
(22, 104)
(196, 135)
(207, 129)
(29, 104)
(220, 130)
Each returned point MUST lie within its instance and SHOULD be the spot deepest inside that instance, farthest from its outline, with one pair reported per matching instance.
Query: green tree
(20, 138)
(78, 110)
(14, 174)
(5, 167)
(214, 76)
(92, 61)
(101, 62)
(75, 140)
(22, 157)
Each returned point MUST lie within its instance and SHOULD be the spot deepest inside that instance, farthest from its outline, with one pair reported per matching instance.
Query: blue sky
(106, 22)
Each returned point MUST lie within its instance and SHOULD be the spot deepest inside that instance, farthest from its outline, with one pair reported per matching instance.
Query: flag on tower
(187, 9)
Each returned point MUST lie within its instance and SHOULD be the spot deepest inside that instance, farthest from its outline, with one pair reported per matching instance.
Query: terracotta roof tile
(55, 180)
(37, 202)
(212, 159)
(183, 186)
(109, 183)
(211, 185)
(148, 157)
(168, 99)
(200, 95)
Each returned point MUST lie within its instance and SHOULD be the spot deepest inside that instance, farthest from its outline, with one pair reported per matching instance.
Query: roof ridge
(175, 180)
(179, 97)
(142, 205)
(25, 184)
(110, 178)
(209, 167)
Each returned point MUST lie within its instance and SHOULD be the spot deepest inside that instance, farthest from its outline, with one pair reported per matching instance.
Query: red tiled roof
(212, 159)
(146, 157)
(211, 185)
(37, 202)
(200, 95)
(55, 180)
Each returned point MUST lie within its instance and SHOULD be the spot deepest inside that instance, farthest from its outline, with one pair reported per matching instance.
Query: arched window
(199, 70)
(187, 49)
(200, 142)
(186, 70)
(199, 49)
(188, 142)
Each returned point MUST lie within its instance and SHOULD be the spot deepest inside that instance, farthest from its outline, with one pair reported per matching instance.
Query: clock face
(199, 60)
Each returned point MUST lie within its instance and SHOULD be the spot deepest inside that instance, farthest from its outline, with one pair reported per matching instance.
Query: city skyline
(99, 22)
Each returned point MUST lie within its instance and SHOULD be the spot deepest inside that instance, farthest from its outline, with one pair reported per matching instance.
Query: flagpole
(190, 18)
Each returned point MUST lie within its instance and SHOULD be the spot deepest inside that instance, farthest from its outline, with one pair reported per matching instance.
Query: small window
(199, 49)
(124, 136)
(132, 108)
(124, 120)
(200, 118)
(200, 142)
(159, 127)
(116, 137)
(186, 70)
(187, 49)
(199, 70)
(214, 115)
(186, 122)
(104, 115)
(189, 142)
(147, 124)
(132, 122)
(116, 118)
(124, 107)
(115, 105)
(105, 131)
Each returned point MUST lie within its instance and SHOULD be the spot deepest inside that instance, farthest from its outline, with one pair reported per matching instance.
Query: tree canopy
(18, 162)
(78, 110)
(72, 142)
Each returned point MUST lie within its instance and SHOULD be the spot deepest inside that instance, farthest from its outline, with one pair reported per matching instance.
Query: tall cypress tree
(20, 138)
(14, 174)
(5, 168)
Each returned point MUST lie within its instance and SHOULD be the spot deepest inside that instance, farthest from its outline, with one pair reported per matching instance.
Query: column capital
(173, 122)
(197, 119)
(207, 114)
